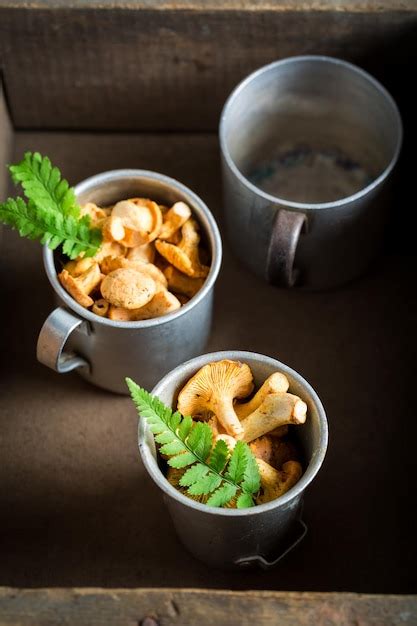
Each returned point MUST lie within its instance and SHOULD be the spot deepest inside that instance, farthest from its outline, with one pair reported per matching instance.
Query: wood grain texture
(6, 138)
(148, 69)
(188, 607)
(220, 5)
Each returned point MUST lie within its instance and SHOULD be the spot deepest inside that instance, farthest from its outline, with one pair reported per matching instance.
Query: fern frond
(49, 228)
(222, 496)
(51, 213)
(219, 456)
(42, 184)
(212, 471)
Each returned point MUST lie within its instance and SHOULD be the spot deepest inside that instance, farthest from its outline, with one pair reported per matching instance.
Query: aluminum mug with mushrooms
(254, 398)
(143, 303)
(132, 276)
(217, 393)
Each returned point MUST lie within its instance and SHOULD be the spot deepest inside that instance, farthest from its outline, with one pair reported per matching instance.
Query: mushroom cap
(128, 288)
(112, 263)
(174, 255)
(70, 284)
(185, 255)
(79, 287)
(224, 380)
(174, 219)
(79, 266)
(109, 248)
(145, 253)
(162, 303)
(96, 214)
(141, 218)
(113, 229)
(182, 284)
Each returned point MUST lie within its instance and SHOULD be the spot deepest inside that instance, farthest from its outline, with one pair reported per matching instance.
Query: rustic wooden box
(105, 84)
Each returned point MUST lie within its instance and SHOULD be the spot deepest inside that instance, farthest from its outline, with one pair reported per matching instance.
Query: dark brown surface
(76, 505)
(145, 68)
(188, 607)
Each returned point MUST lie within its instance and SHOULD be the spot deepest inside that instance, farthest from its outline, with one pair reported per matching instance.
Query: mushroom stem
(227, 417)
(176, 217)
(276, 410)
(274, 482)
(275, 383)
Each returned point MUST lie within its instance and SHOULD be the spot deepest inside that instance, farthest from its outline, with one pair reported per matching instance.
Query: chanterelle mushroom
(141, 219)
(185, 256)
(275, 383)
(174, 219)
(96, 214)
(161, 304)
(81, 286)
(128, 288)
(274, 482)
(79, 266)
(214, 388)
(180, 283)
(145, 253)
(277, 409)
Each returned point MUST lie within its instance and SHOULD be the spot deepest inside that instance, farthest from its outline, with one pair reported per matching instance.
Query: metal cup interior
(312, 436)
(310, 130)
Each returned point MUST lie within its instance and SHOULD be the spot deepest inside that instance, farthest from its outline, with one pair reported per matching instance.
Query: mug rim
(309, 205)
(212, 233)
(316, 460)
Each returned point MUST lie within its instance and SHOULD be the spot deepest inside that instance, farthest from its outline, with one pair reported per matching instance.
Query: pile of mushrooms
(213, 395)
(150, 262)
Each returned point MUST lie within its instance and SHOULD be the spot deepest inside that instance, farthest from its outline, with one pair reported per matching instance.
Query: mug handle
(54, 334)
(300, 531)
(286, 231)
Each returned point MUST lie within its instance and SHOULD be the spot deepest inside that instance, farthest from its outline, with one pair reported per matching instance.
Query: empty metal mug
(105, 351)
(237, 538)
(307, 146)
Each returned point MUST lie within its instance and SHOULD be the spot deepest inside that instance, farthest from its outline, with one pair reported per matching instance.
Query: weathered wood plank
(188, 607)
(152, 69)
(249, 5)
(5, 141)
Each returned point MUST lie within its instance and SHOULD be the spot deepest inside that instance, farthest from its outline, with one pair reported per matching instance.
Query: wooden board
(76, 505)
(128, 67)
(6, 135)
(189, 607)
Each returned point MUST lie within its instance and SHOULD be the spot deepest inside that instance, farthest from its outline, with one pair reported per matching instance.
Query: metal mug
(307, 147)
(237, 538)
(105, 351)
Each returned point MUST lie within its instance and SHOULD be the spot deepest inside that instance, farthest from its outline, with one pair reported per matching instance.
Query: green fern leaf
(182, 460)
(165, 437)
(51, 213)
(185, 427)
(51, 192)
(238, 463)
(200, 439)
(190, 443)
(193, 475)
(219, 455)
(244, 501)
(173, 448)
(223, 495)
(251, 478)
(205, 485)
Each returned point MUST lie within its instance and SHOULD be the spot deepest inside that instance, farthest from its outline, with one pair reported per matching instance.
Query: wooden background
(154, 66)
(107, 84)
